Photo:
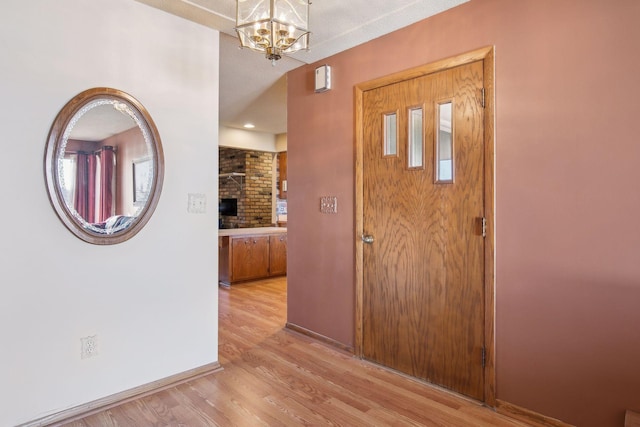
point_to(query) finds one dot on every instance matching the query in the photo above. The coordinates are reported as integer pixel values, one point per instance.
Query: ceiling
(251, 89)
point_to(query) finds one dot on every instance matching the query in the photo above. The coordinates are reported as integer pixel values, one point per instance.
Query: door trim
(485, 54)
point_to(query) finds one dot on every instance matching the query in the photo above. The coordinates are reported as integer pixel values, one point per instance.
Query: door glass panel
(390, 134)
(444, 144)
(415, 138)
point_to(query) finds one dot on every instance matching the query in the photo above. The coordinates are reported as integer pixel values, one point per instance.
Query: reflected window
(68, 178)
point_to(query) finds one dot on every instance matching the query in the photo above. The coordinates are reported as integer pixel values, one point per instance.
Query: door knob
(367, 239)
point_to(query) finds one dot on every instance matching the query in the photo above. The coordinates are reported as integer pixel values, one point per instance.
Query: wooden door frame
(486, 55)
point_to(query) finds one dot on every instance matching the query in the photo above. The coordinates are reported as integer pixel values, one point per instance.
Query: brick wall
(255, 199)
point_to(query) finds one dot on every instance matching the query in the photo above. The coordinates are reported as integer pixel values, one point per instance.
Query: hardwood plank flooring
(276, 377)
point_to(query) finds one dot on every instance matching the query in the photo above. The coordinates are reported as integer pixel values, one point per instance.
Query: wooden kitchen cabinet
(250, 257)
(246, 256)
(278, 255)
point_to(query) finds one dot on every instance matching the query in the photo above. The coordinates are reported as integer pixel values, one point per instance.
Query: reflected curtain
(86, 185)
(95, 172)
(107, 174)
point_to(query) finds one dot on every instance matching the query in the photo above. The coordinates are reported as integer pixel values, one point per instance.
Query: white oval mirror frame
(75, 124)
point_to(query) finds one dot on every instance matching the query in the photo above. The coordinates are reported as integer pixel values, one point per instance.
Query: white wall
(281, 142)
(247, 140)
(152, 301)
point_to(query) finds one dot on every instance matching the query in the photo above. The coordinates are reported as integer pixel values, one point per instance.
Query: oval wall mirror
(104, 166)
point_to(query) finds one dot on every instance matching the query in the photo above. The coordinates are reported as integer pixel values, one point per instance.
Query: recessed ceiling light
(249, 125)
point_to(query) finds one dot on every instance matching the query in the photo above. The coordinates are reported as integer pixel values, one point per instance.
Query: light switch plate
(197, 203)
(329, 204)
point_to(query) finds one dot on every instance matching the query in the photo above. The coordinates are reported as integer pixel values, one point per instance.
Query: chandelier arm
(294, 42)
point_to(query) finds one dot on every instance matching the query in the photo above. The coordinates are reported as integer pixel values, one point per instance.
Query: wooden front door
(423, 224)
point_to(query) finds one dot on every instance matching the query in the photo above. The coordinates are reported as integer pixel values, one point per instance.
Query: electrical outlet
(88, 347)
(197, 203)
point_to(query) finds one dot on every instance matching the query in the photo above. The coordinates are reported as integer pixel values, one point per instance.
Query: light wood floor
(275, 377)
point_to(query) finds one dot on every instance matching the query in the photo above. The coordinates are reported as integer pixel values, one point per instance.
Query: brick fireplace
(254, 191)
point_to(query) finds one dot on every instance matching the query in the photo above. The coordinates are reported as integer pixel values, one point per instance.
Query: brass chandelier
(273, 27)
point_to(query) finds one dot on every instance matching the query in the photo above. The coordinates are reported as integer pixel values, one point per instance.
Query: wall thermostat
(323, 78)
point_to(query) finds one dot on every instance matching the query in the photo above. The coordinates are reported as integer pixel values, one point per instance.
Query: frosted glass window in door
(444, 144)
(416, 140)
(390, 130)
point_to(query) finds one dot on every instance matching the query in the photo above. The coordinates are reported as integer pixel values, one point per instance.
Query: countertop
(250, 231)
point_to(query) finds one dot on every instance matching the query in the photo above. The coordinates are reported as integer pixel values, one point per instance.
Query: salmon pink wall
(567, 194)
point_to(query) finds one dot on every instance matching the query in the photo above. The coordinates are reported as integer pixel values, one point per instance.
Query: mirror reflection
(94, 181)
(103, 166)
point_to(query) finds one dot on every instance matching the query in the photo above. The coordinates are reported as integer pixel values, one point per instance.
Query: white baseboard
(87, 409)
